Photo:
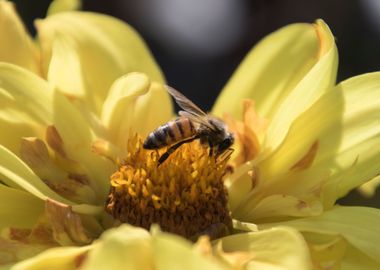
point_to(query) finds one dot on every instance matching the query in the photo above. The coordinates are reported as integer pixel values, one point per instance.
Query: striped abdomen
(172, 132)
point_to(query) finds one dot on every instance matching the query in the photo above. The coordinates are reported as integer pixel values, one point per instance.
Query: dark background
(199, 43)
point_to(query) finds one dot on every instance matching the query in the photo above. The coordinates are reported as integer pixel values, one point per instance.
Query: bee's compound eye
(229, 140)
(226, 143)
(232, 139)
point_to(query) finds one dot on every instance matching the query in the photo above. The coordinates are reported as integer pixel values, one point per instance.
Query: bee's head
(226, 143)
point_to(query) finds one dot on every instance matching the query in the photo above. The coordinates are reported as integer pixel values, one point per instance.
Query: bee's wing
(185, 103)
(202, 120)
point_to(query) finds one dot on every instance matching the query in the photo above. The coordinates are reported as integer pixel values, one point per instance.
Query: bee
(192, 124)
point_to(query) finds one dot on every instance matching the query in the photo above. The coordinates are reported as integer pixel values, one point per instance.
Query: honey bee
(192, 124)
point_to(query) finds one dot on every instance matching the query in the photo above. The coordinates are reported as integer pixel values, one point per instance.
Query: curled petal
(285, 73)
(16, 45)
(32, 108)
(134, 105)
(152, 110)
(100, 47)
(313, 126)
(15, 173)
(118, 108)
(65, 53)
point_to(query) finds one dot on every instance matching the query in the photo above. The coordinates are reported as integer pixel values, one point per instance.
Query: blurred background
(199, 43)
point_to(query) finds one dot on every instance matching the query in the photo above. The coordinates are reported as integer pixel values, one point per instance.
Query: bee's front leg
(211, 151)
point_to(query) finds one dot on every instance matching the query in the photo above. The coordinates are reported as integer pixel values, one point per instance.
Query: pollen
(185, 195)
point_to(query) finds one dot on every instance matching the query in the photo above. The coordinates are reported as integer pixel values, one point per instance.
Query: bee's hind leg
(173, 148)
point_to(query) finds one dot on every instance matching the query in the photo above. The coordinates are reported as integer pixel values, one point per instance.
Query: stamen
(184, 195)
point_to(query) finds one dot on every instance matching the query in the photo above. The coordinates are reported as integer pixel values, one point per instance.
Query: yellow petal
(106, 49)
(152, 110)
(296, 193)
(35, 154)
(134, 105)
(173, 252)
(16, 45)
(129, 247)
(277, 248)
(123, 248)
(118, 108)
(15, 173)
(63, 5)
(327, 251)
(66, 226)
(355, 259)
(14, 201)
(319, 125)
(345, 124)
(13, 251)
(31, 102)
(360, 226)
(335, 253)
(61, 258)
(240, 184)
(368, 189)
(64, 53)
(279, 205)
(284, 74)
(356, 158)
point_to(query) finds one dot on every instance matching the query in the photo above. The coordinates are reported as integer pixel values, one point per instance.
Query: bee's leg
(211, 151)
(173, 148)
(225, 155)
(210, 144)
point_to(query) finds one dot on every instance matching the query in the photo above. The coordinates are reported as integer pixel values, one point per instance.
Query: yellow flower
(71, 105)
(63, 130)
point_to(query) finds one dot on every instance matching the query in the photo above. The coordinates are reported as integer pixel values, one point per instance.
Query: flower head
(185, 195)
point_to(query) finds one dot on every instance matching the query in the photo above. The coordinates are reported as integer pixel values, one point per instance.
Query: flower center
(185, 195)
